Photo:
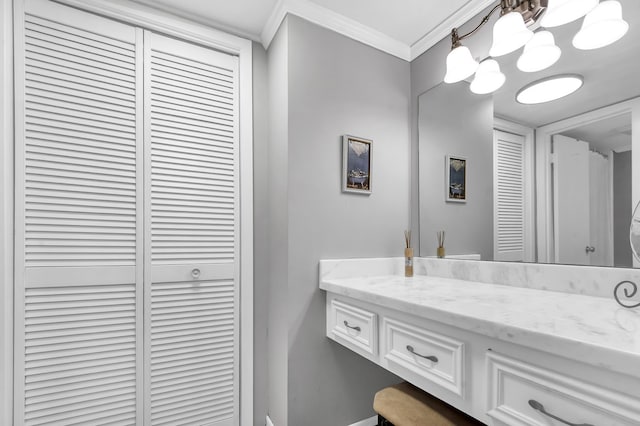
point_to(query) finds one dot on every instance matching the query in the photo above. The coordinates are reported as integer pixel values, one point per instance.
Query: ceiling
(407, 28)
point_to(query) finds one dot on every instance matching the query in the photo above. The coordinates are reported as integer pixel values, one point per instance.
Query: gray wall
(277, 226)
(622, 209)
(452, 120)
(261, 232)
(335, 86)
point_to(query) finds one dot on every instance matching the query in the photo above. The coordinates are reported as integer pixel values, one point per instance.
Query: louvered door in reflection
(191, 298)
(78, 251)
(509, 196)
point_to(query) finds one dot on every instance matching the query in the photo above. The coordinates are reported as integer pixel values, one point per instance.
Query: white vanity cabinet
(498, 382)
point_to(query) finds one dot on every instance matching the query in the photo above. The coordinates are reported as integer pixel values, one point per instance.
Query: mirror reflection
(551, 182)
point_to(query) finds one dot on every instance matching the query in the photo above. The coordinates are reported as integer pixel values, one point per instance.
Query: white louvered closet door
(78, 207)
(509, 196)
(191, 310)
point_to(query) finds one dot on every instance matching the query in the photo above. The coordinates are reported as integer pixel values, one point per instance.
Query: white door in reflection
(582, 204)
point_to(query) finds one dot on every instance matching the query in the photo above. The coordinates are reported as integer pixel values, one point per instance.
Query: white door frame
(529, 180)
(544, 134)
(165, 23)
(6, 212)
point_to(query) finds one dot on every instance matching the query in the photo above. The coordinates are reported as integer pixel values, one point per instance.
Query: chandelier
(602, 26)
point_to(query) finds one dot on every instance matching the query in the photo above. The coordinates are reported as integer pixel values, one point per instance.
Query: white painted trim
(371, 421)
(246, 234)
(334, 21)
(350, 28)
(6, 212)
(192, 17)
(165, 23)
(442, 30)
(529, 196)
(268, 421)
(544, 134)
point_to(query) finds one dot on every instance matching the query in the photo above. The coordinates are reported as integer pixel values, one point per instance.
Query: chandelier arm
(472, 32)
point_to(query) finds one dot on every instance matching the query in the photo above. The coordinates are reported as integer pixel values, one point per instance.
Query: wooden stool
(406, 405)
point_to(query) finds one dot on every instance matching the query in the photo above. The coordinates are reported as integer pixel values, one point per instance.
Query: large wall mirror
(547, 183)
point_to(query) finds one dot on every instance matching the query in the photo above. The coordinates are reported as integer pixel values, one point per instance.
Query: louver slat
(80, 367)
(509, 198)
(191, 310)
(63, 178)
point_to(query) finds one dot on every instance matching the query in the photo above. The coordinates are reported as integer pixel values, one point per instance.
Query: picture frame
(456, 169)
(356, 164)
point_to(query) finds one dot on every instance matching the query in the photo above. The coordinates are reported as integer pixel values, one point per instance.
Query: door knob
(195, 273)
(590, 249)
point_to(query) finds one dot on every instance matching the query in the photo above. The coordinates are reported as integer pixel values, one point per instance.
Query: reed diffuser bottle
(440, 249)
(408, 255)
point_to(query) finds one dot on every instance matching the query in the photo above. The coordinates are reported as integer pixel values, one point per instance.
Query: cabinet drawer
(421, 355)
(521, 393)
(354, 327)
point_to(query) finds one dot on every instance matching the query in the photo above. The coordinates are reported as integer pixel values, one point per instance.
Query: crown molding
(455, 20)
(198, 19)
(331, 20)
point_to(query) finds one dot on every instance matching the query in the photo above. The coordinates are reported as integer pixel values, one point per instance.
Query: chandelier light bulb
(540, 53)
(601, 27)
(509, 34)
(560, 12)
(460, 65)
(488, 78)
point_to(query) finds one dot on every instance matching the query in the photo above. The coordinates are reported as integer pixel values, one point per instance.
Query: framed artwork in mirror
(455, 178)
(356, 164)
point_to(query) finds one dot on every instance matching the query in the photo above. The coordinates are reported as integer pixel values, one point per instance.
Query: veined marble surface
(594, 329)
(585, 280)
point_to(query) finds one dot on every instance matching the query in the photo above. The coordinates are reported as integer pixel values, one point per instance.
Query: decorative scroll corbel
(624, 292)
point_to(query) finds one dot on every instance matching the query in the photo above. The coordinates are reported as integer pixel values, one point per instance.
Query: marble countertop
(595, 330)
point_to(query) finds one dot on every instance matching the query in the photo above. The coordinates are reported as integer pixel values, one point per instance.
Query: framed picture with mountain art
(356, 164)
(456, 178)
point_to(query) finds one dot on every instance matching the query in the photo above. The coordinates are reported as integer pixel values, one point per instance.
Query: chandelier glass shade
(460, 65)
(488, 78)
(601, 27)
(560, 12)
(540, 53)
(509, 34)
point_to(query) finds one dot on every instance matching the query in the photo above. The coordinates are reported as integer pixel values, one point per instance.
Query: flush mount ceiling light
(549, 89)
(602, 26)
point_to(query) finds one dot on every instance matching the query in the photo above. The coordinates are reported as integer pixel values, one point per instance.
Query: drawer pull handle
(195, 273)
(430, 357)
(539, 407)
(356, 328)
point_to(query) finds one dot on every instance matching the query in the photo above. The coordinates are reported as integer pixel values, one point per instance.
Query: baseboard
(269, 422)
(371, 421)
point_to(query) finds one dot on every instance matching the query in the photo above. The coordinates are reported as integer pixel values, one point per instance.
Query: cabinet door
(78, 252)
(191, 310)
